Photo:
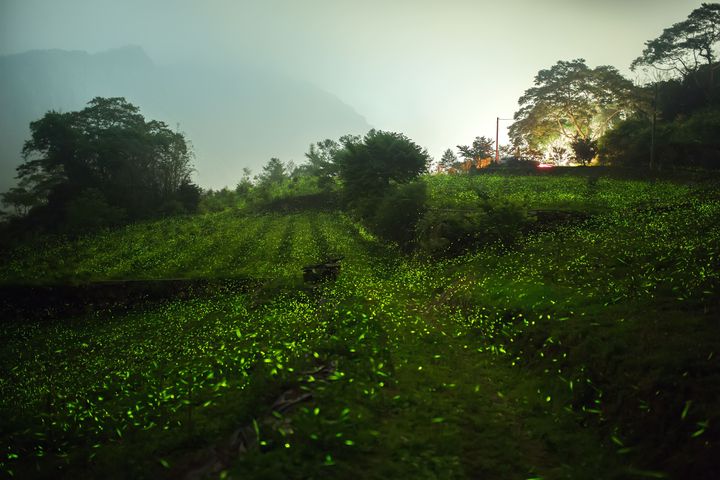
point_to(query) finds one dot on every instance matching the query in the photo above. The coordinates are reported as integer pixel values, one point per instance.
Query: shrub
(453, 231)
(90, 210)
(627, 145)
(399, 211)
(584, 149)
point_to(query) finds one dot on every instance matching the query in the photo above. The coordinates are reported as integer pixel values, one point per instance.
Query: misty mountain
(235, 117)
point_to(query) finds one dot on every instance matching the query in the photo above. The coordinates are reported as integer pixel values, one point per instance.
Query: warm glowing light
(545, 165)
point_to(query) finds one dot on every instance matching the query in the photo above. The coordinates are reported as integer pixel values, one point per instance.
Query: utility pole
(497, 145)
(497, 138)
(652, 130)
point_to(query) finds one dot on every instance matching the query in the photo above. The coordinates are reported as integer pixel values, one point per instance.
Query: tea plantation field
(216, 245)
(585, 350)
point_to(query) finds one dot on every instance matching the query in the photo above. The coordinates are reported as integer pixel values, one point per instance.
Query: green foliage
(273, 173)
(628, 144)
(482, 147)
(188, 196)
(219, 200)
(297, 188)
(563, 192)
(584, 149)
(226, 244)
(609, 322)
(399, 211)
(454, 231)
(688, 141)
(448, 160)
(367, 168)
(686, 47)
(570, 99)
(322, 160)
(245, 184)
(137, 165)
(90, 211)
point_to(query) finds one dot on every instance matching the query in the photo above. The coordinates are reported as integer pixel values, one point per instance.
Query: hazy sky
(438, 71)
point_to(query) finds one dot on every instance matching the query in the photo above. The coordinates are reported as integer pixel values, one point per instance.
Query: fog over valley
(248, 81)
(235, 117)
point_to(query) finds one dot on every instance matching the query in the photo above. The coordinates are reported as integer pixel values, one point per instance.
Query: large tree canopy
(569, 101)
(138, 166)
(687, 47)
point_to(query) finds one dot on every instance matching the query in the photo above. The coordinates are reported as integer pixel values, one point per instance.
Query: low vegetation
(582, 349)
(357, 316)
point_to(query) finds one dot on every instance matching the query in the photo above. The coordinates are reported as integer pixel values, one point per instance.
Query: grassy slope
(543, 361)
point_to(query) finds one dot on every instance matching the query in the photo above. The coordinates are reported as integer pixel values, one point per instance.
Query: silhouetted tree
(106, 152)
(584, 149)
(448, 160)
(21, 199)
(189, 194)
(245, 184)
(677, 121)
(368, 167)
(687, 46)
(477, 155)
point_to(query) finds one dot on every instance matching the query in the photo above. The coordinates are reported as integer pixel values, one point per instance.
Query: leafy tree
(482, 147)
(245, 184)
(571, 100)
(687, 46)
(107, 147)
(448, 160)
(188, 195)
(218, 200)
(321, 157)
(584, 149)
(273, 172)
(20, 199)
(322, 160)
(368, 167)
(627, 144)
(292, 171)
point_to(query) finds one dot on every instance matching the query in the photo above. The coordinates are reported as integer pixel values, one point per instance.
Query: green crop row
(554, 192)
(215, 245)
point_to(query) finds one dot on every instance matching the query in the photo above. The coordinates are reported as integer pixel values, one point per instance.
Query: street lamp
(497, 138)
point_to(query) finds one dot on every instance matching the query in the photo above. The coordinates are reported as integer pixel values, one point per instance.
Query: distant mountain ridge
(235, 117)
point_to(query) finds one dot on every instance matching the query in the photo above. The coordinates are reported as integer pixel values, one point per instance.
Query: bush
(370, 167)
(453, 231)
(399, 211)
(687, 141)
(90, 210)
(695, 140)
(626, 145)
(188, 196)
(584, 149)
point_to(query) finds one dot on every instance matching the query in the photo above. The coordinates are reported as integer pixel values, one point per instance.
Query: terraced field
(588, 350)
(592, 193)
(218, 245)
